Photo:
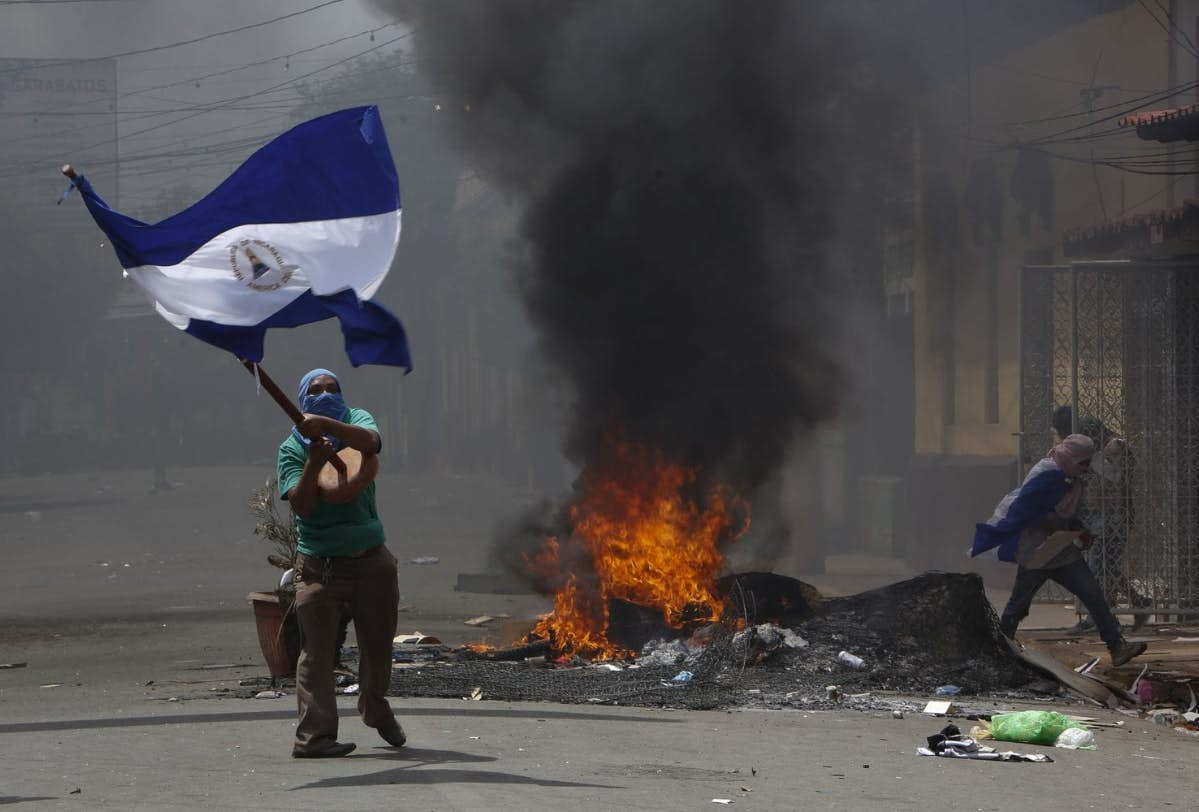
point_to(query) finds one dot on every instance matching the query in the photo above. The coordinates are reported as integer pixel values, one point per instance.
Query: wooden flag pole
(347, 474)
(273, 390)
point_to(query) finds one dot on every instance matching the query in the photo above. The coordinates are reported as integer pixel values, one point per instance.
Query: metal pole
(1020, 286)
(116, 141)
(1073, 348)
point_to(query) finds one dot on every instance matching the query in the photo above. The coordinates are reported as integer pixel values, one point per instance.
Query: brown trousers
(368, 585)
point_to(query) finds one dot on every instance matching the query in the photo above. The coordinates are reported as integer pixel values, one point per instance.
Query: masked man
(341, 561)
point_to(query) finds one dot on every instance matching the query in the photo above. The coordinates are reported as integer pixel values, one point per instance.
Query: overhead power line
(192, 80)
(136, 115)
(1117, 165)
(1171, 28)
(227, 71)
(1155, 95)
(193, 41)
(222, 104)
(1119, 114)
(1173, 24)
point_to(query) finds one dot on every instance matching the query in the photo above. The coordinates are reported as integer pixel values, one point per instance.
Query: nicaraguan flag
(1037, 496)
(304, 230)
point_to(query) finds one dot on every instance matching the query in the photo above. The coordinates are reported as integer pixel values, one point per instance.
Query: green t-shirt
(331, 530)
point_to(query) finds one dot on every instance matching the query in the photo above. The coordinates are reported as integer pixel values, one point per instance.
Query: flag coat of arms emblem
(306, 229)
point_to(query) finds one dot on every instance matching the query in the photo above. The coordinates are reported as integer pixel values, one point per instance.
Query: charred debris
(777, 643)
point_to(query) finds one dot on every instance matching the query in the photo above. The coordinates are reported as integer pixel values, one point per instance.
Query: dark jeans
(1076, 577)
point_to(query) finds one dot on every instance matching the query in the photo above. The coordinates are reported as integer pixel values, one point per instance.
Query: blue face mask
(325, 404)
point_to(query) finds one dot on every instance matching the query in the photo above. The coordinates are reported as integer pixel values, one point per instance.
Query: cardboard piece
(1050, 547)
(1081, 684)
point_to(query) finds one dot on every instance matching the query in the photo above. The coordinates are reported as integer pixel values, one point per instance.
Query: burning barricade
(645, 613)
(910, 636)
(633, 565)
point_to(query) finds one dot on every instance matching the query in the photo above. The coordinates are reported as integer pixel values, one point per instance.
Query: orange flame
(640, 534)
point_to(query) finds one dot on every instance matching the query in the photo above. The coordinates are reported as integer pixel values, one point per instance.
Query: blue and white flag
(1044, 487)
(304, 230)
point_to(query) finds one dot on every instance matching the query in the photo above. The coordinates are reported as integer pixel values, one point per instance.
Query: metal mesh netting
(1118, 343)
(915, 635)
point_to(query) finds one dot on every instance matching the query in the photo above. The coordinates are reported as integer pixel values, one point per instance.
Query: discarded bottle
(851, 660)
(947, 690)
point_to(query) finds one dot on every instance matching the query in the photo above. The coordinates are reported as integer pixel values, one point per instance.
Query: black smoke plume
(682, 166)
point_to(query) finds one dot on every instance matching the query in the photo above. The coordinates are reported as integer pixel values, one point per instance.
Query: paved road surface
(124, 701)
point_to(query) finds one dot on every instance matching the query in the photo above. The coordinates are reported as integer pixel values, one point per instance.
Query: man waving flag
(304, 230)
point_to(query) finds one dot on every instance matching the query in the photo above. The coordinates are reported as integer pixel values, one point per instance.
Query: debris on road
(485, 584)
(481, 620)
(757, 643)
(416, 639)
(1026, 727)
(942, 708)
(12, 665)
(424, 560)
(851, 660)
(950, 743)
(1075, 738)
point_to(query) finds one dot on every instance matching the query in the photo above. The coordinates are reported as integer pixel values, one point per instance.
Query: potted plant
(278, 631)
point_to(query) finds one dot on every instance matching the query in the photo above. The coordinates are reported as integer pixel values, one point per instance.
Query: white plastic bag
(1075, 738)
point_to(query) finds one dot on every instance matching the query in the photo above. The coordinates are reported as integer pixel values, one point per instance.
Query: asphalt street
(126, 699)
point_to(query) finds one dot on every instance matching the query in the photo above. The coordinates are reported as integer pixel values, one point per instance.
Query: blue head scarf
(326, 404)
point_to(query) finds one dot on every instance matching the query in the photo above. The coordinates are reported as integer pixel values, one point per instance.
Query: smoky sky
(680, 165)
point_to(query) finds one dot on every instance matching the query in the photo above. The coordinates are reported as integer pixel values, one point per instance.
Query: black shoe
(1124, 651)
(1083, 626)
(393, 734)
(335, 750)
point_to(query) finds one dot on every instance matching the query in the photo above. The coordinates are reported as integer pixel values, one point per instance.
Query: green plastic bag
(1030, 727)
